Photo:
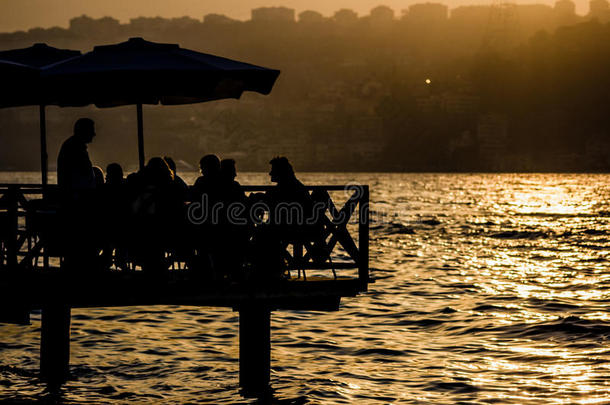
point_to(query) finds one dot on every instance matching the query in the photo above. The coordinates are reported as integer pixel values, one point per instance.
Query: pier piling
(254, 348)
(55, 343)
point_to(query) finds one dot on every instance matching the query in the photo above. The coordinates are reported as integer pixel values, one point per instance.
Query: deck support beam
(55, 343)
(254, 348)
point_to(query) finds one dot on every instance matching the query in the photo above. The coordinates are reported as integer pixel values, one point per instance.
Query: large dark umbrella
(141, 72)
(38, 55)
(28, 90)
(19, 84)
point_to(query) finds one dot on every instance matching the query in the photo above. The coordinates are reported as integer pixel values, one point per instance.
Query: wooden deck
(116, 289)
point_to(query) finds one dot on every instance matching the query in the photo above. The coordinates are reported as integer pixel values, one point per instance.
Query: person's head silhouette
(158, 171)
(281, 169)
(227, 169)
(114, 173)
(170, 162)
(209, 165)
(84, 128)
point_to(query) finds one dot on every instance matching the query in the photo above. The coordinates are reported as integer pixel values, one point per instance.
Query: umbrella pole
(140, 136)
(44, 157)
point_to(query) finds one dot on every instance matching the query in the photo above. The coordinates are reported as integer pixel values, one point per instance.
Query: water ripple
(490, 288)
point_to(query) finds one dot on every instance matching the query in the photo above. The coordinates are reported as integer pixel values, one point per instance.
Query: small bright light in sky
(428, 81)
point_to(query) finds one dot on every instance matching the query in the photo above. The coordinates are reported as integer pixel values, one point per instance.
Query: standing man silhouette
(77, 214)
(74, 168)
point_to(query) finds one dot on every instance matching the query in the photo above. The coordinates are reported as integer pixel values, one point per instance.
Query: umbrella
(38, 55)
(19, 84)
(27, 90)
(142, 72)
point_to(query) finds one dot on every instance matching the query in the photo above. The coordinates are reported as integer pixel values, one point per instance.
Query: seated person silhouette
(156, 212)
(181, 249)
(232, 230)
(207, 183)
(205, 193)
(114, 175)
(114, 214)
(180, 185)
(230, 191)
(288, 190)
(290, 207)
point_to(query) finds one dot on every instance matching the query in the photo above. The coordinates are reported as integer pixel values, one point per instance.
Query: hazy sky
(25, 14)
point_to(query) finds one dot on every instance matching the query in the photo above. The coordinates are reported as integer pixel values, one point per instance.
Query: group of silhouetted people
(153, 219)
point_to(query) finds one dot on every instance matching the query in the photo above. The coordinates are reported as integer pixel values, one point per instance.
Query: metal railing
(24, 238)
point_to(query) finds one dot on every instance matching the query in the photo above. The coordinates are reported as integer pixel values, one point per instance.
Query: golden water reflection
(490, 289)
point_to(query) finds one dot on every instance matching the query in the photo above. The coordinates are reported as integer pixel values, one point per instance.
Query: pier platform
(32, 278)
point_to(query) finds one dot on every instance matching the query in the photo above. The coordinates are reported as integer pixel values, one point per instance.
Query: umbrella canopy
(38, 55)
(19, 84)
(23, 86)
(142, 72)
(16, 71)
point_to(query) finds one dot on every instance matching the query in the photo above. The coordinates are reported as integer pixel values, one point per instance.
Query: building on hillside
(382, 15)
(460, 103)
(310, 17)
(454, 103)
(148, 24)
(345, 17)
(532, 18)
(218, 19)
(89, 27)
(467, 26)
(273, 14)
(427, 14)
(492, 136)
(367, 144)
(467, 15)
(599, 9)
(429, 104)
(183, 22)
(564, 13)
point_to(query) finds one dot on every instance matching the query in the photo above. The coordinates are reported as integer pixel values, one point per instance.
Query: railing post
(363, 238)
(44, 157)
(13, 227)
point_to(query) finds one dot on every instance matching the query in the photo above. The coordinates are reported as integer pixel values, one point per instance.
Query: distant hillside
(518, 88)
(26, 14)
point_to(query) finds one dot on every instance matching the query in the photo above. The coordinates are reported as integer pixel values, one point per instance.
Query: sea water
(490, 288)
